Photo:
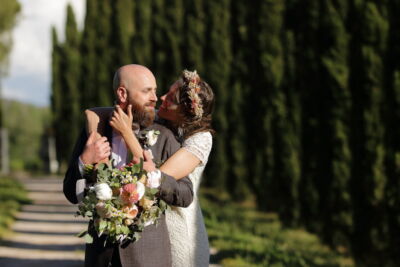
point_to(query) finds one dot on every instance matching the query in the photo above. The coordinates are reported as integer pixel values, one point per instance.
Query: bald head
(129, 76)
(136, 85)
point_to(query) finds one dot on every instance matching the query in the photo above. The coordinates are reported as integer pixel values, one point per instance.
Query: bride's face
(169, 108)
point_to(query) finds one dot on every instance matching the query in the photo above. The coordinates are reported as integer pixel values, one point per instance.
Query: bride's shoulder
(200, 139)
(200, 136)
(200, 145)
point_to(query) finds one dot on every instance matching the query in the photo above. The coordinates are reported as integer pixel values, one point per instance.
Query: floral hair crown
(192, 79)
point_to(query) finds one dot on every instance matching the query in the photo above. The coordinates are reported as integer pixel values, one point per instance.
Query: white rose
(140, 189)
(103, 191)
(154, 179)
(151, 137)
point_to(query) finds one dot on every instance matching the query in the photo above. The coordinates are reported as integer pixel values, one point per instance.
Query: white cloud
(30, 58)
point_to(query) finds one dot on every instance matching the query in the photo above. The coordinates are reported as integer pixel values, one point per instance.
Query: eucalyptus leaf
(82, 234)
(88, 238)
(102, 225)
(88, 213)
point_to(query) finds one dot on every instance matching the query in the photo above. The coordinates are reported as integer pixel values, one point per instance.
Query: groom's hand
(96, 149)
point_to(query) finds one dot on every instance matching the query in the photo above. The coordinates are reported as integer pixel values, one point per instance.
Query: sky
(29, 74)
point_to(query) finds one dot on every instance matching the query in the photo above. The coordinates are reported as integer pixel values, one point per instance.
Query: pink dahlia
(132, 193)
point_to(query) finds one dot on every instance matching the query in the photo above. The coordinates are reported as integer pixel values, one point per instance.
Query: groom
(133, 85)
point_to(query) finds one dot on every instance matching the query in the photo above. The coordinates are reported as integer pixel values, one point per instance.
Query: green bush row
(12, 196)
(246, 237)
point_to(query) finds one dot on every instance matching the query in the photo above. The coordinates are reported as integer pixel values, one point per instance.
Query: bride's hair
(196, 102)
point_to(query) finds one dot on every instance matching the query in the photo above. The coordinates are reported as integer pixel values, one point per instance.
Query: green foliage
(8, 14)
(104, 53)
(90, 61)
(368, 152)
(336, 203)
(241, 47)
(56, 93)
(305, 29)
(218, 59)
(123, 29)
(194, 35)
(391, 115)
(158, 35)
(245, 237)
(12, 195)
(69, 90)
(306, 112)
(141, 42)
(173, 42)
(26, 126)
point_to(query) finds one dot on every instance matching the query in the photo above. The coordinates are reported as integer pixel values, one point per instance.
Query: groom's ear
(122, 95)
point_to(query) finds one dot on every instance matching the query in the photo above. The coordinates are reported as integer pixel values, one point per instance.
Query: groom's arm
(90, 150)
(73, 174)
(174, 192)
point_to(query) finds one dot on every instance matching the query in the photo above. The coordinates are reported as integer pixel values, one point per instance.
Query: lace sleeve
(199, 145)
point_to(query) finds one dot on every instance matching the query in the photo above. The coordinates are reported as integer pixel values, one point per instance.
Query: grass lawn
(246, 237)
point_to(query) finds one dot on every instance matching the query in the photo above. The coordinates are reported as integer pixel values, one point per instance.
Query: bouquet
(121, 203)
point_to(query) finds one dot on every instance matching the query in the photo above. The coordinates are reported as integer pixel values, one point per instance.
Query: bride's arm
(122, 122)
(194, 152)
(180, 164)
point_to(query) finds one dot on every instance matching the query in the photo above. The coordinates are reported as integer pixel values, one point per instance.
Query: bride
(187, 110)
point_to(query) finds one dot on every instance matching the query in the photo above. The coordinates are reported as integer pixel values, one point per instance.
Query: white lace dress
(187, 232)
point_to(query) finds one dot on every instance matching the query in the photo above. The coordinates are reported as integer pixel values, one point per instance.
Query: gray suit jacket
(153, 248)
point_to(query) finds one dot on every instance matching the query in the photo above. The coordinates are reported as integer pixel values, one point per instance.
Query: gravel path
(43, 234)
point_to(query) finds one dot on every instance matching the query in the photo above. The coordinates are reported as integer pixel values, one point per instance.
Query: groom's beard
(144, 117)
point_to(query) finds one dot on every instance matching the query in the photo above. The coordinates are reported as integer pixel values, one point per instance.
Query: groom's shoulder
(164, 131)
(166, 137)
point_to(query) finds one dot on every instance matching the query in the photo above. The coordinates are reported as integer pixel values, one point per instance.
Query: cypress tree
(392, 117)
(194, 35)
(8, 14)
(287, 132)
(217, 73)
(158, 34)
(307, 80)
(70, 108)
(90, 62)
(173, 42)
(141, 44)
(122, 25)
(335, 205)
(368, 177)
(237, 172)
(56, 93)
(104, 53)
(269, 102)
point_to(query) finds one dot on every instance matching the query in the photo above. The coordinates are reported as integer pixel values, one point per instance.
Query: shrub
(246, 237)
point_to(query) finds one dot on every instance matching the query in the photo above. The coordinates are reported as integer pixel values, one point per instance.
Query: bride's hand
(148, 163)
(121, 121)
